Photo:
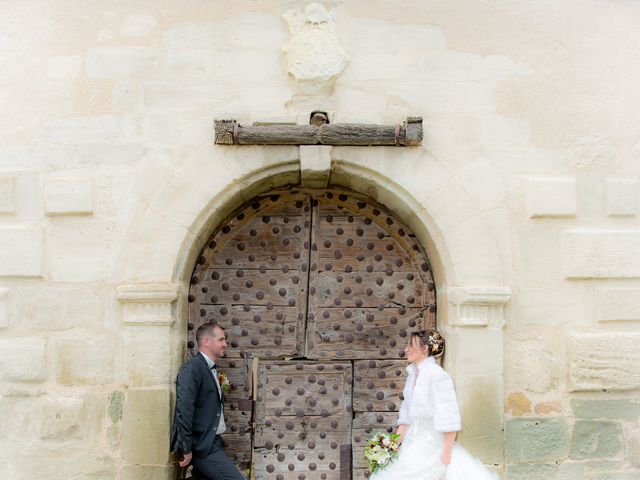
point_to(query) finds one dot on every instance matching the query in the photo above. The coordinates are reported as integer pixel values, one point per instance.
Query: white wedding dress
(430, 408)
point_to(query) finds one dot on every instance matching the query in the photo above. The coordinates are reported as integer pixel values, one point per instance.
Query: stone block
(252, 31)
(62, 419)
(536, 439)
(112, 153)
(192, 35)
(518, 404)
(7, 194)
(555, 306)
(476, 253)
(532, 365)
(315, 165)
(21, 252)
(503, 132)
(601, 253)
(357, 35)
(69, 195)
(532, 471)
(5, 473)
(604, 361)
(481, 407)
(365, 67)
(163, 128)
(4, 308)
(83, 361)
(621, 197)
(478, 351)
(56, 308)
(617, 304)
(632, 445)
(121, 62)
(138, 25)
(595, 439)
(139, 472)
(172, 96)
(145, 360)
(71, 461)
(145, 426)
(422, 37)
(482, 181)
(607, 409)
(189, 63)
(444, 97)
(126, 96)
(23, 359)
(545, 408)
(551, 197)
(83, 130)
(114, 409)
(498, 67)
(455, 66)
(619, 476)
(253, 68)
(64, 67)
(87, 262)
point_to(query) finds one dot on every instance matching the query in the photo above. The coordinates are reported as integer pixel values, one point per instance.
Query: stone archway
(318, 291)
(204, 189)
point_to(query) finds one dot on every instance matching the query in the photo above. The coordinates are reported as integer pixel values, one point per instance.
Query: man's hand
(186, 460)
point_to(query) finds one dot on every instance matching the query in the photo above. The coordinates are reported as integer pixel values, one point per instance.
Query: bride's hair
(431, 339)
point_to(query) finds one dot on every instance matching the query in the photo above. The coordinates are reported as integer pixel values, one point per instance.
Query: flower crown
(436, 343)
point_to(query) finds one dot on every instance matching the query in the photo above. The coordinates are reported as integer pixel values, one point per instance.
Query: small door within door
(303, 420)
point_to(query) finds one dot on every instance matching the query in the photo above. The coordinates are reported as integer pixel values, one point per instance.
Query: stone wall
(524, 193)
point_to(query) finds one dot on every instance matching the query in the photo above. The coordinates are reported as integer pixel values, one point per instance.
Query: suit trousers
(216, 465)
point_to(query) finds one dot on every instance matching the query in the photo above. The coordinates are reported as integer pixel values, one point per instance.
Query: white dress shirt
(429, 394)
(221, 426)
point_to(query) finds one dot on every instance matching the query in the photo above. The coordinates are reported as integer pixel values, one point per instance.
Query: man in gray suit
(198, 421)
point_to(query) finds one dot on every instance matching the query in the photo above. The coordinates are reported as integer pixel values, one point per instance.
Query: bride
(429, 420)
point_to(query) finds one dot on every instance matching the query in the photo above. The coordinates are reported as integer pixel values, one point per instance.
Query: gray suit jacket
(198, 409)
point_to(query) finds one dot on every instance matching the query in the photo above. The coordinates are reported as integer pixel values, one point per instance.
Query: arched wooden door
(318, 291)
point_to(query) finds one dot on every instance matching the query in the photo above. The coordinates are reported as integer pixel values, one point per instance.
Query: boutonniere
(223, 380)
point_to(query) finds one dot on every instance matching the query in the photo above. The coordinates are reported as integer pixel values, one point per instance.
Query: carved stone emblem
(314, 55)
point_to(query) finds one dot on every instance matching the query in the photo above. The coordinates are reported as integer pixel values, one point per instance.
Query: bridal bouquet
(381, 450)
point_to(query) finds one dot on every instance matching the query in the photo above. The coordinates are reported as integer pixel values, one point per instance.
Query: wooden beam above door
(321, 132)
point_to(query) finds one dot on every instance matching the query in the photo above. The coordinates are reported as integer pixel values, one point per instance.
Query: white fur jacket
(433, 397)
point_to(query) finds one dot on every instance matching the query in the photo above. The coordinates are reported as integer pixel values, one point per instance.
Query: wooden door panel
(251, 287)
(370, 284)
(311, 445)
(364, 426)
(367, 289)
(251, 278)
(378, 385)
(260, 331)
(362, 332)
(237, 409)
(273, 242)
(303, 419)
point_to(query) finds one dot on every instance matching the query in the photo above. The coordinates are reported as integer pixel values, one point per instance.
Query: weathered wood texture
(409, 133)
(363, 427)
(303, 417)
(303, 282)
(370, 283)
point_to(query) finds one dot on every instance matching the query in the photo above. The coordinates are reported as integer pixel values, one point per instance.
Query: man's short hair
(206, 330)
